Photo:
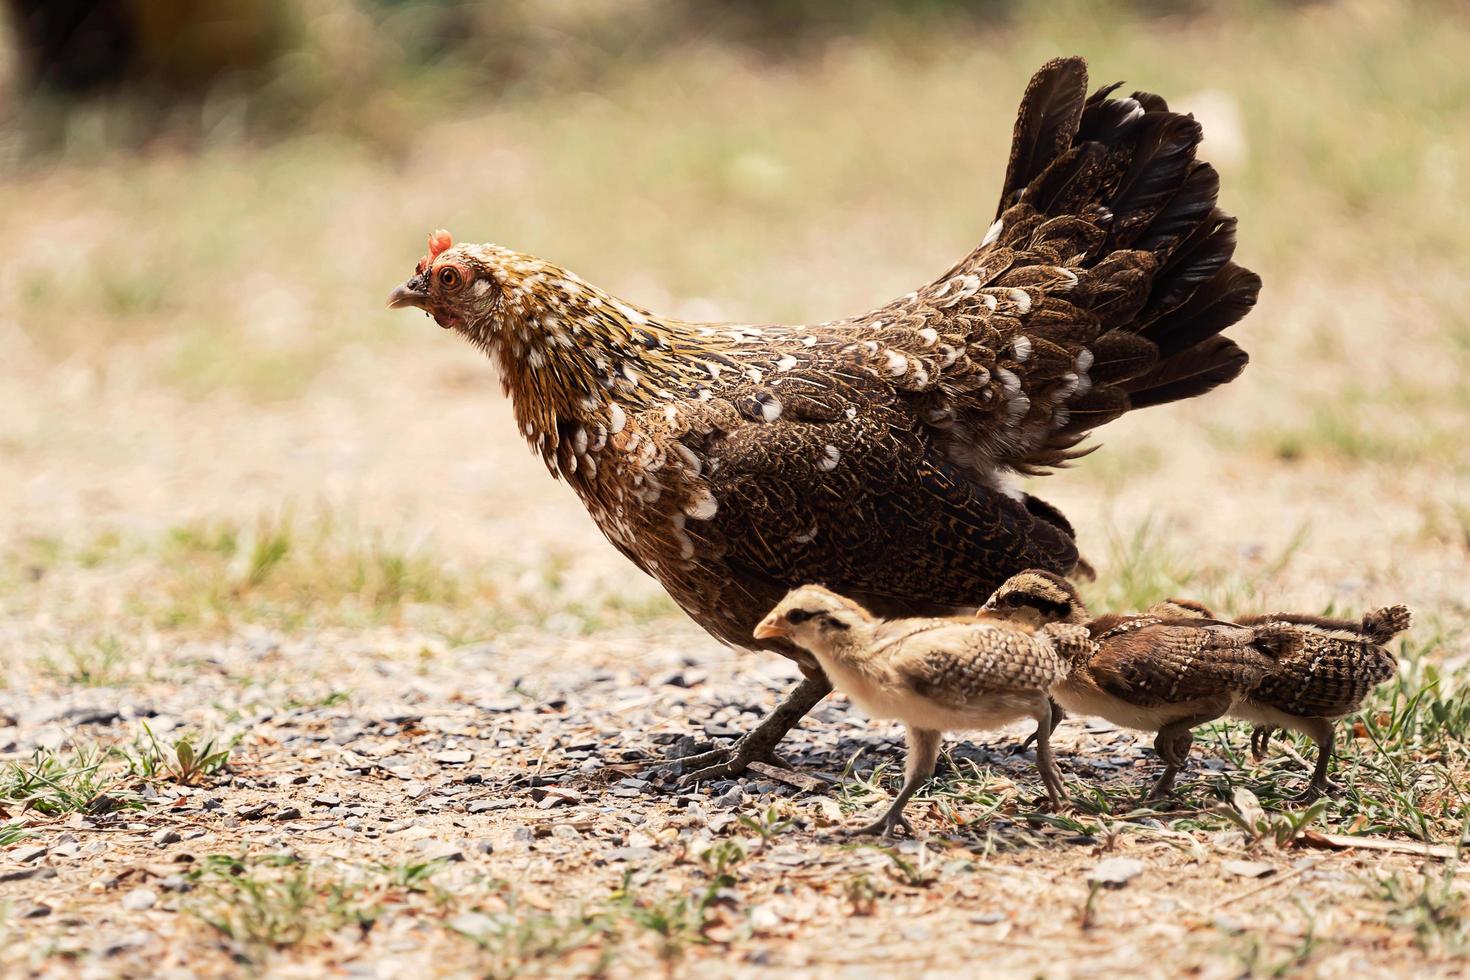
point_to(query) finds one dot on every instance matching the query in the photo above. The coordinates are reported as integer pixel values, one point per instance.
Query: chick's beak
(770, 628)
(405, 296)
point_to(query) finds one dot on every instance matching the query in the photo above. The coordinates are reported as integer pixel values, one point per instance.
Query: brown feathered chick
(1161, 674)
(1179, 609)
(934, 675)
(877, 453)
(1325, 669)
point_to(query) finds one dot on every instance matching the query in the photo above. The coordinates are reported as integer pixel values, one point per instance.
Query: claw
(883, 827)
(1315, 791)
(727, 763)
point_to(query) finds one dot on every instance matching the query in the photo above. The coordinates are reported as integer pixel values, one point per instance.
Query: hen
(876, 455)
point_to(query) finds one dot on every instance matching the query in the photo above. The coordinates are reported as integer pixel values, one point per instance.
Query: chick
(1166, 673)
(934, 675)
(1325, 669)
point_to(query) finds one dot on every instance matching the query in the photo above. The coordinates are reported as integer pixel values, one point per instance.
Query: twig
(1260, 888)
(790, 777)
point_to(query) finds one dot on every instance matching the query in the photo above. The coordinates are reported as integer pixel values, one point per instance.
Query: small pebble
(140, 899)
(1115, 872)
(730, 799)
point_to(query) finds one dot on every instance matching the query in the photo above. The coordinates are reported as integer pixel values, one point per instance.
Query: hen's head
(480, 290)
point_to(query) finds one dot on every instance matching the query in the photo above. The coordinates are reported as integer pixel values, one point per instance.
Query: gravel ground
(516, 782)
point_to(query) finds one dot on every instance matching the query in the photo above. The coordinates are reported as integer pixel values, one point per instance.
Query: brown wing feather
(1166, 664)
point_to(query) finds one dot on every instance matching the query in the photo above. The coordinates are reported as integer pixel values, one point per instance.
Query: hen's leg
(918, 767)
(759, 744)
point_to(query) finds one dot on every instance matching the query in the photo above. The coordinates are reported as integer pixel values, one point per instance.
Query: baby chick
(1325, 669)
(1166, 672)
(934, 675)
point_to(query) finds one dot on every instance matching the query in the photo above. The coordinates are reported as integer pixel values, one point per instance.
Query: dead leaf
(1248, 806)
(1248, 869)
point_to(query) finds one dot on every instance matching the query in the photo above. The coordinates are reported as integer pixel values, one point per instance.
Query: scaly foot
(729, 762)
(884, 826)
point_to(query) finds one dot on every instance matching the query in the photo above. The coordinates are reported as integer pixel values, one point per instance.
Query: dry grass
(229, 479)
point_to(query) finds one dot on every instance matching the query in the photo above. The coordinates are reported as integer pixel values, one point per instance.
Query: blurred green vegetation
(365, 66)
(711, 134)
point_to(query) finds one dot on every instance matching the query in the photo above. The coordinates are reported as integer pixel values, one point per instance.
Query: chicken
(1154, 673)
(1325, 670)
(876, 455)
(933, 674)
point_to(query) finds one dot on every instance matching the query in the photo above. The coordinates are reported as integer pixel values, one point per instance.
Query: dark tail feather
(1219, 303)
(1195, 371)
(1155, 270)
(1048, 117)
(1192, 262)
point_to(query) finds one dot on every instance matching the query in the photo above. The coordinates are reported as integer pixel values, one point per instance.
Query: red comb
(438, 242)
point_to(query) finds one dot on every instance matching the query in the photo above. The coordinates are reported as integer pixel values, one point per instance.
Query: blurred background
(209, 424)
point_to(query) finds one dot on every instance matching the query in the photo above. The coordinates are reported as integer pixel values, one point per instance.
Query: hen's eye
(449, 277)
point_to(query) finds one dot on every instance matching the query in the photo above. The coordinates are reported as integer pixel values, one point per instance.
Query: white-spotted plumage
(937, 403)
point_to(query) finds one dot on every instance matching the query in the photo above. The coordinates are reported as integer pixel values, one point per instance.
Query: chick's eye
(449, 277)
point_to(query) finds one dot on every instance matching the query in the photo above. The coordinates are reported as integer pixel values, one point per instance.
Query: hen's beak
(405, 296)
(770, 628)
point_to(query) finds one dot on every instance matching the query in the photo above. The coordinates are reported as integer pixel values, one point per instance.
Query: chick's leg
(1058, 715)
(759, 744)
(1051, 776)
(918, 767)
(1320, 731)
(1173, 743)
(1261, 740)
